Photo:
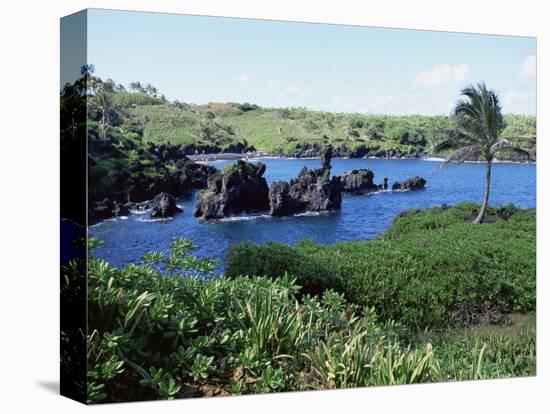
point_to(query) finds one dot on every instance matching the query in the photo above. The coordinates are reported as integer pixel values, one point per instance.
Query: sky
(333, 68)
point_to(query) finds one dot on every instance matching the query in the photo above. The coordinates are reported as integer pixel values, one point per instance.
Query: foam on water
(433, 159)
(152, 220)
(139, 212)
(243, 218)
(361, 217)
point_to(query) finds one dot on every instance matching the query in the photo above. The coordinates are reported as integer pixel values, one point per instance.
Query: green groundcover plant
(431, 269)
(167, 328)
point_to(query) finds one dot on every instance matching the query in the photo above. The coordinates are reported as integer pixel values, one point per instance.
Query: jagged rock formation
(361, 180)
(237, 188)
(151, 169)
(186, 176)
(413, 183)
(313, 190)
(164, 205)
(105, 209)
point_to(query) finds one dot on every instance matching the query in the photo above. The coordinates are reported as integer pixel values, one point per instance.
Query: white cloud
(243, 77)
(440, 75)
(516, 102)
(293, 89)
(528, 68)
(337, 99)
(272, 83)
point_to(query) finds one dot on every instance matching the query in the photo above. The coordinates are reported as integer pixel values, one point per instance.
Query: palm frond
(461, 155)
(443, 144)
(500, 144)
(478, 114)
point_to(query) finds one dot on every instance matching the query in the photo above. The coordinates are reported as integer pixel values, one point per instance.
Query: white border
(30, 204)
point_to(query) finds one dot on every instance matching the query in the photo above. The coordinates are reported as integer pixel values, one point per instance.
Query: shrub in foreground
(274, 260)
(432, 269)
(166, 329)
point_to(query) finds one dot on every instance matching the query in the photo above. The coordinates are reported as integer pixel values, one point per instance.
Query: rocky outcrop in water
(164, 205)
(184, 177)
(239, 187)
(151, 169)
(413, 183)
(313, 191)
(193, 175)
(360, 180)
(105, 209)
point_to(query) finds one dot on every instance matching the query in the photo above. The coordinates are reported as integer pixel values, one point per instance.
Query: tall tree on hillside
(104, 103)
(136, 87)
(73, 108)
(151, 90)
(478, 116)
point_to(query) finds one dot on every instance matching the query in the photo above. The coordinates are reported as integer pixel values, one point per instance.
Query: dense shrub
(165, 329)
(483, 356)
(432, 269)
(274, 260)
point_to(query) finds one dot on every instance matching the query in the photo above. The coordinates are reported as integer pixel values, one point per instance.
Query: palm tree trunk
(483, 209)
(103, 124)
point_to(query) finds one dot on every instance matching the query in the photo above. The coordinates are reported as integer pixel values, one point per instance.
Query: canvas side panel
(73, 115)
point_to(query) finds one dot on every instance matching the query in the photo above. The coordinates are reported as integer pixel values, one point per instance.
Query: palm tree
(104, 102)
(478, 115)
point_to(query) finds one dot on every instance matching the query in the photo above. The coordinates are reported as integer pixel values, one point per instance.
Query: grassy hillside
(279, 130)
(275, 130)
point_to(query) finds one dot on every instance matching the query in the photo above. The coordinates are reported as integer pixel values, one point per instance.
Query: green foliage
(274, 260)
(162, 331)
(272, 129)
(432, 269)
(160, 381)
(302, 317)
(520, 126)
(355, 358)
(126, 99)
(202, 367)
(165, 327)
(476, 356)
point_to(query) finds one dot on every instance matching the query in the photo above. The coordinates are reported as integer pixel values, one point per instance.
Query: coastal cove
(125, 239)
(282, 229)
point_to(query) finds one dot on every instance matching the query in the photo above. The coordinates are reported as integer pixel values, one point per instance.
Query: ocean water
(361, 217)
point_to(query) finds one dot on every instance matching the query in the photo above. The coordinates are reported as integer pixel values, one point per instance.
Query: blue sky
(323, 67)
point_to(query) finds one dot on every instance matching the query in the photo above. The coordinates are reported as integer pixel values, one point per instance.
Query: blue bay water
(361, 217)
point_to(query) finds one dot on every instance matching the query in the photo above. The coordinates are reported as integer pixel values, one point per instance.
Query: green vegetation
(479, 119)
(271, 259)
(126, 129)
(139, 114)
(433, 299)
(166, 329)
(431, 269)
(280, 130)
(153, 334)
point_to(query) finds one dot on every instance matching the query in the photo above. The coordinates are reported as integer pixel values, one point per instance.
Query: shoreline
(229, 156)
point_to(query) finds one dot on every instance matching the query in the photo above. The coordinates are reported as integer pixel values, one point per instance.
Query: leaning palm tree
(478, 115)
